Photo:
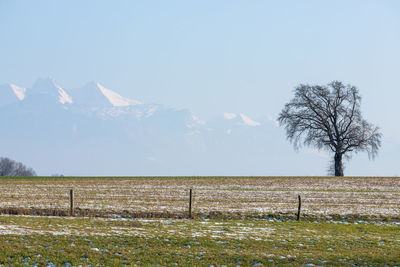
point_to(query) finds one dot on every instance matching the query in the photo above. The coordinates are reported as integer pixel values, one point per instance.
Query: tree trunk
(338, 165)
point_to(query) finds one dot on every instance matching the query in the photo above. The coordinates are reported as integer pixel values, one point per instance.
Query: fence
(210, 197)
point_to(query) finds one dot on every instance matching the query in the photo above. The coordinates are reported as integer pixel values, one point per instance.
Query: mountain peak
(11, 93)
(248, 121)
(49, 86)
(115, 99)
(243, 119)
(18, 91)
(93, 94)
(229, 116)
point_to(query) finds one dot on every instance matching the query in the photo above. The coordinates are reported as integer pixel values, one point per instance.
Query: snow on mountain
(97, 132)
(11, 93)
(229, 116)
(115, 99)
(94, 94)
(64, 97)
(18, 91)
(193, 121)
(90, 95)
(249, 121)
(241, 119)
(50, 89)
(198, 120)
(151, 111)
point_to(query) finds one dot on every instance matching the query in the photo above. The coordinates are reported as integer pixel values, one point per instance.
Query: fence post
(190, 203)
(71, 202)
(299, 208)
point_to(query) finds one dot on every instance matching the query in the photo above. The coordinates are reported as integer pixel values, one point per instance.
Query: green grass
(84, 241)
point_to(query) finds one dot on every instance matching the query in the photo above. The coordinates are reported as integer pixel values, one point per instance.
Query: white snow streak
(199, 121)
(18, 91)
(63, 96)
(229, 116)
(115, 99)
(249, 121)
(151, 111)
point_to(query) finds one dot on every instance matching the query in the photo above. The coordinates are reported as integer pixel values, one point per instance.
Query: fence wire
(170, 196)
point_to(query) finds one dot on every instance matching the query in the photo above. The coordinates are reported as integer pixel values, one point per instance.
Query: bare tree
(6, 166)
(329, 117)
(330, 169)
(10, 167)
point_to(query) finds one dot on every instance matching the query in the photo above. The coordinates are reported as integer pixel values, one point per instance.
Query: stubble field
(238, 221)
(169, 196)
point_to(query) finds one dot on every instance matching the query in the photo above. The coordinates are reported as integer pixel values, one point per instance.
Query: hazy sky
(209, 56)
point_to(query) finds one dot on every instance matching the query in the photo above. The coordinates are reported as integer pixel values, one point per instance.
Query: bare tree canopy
(329, 117)
(10, 167)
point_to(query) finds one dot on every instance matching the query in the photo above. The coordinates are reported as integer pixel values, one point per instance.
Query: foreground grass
(83, 241)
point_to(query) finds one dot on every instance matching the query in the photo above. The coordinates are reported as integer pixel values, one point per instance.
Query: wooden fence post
(71, 202)
(299, 208)
(190, 203)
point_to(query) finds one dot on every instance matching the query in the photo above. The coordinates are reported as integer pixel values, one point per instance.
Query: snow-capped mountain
(11, 93)
(93, 130)
(88, 111)
(49, 89)
(94, 94)
(241, 119)
(106, 132)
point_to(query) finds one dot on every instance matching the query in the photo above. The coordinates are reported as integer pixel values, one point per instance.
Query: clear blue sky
(209, 56)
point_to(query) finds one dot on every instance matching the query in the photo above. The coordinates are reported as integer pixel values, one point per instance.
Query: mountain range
(93, 130)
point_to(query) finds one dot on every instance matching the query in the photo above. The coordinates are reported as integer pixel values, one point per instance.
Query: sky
(209, 56)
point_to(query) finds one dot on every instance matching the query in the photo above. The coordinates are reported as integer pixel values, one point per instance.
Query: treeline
(10, 167)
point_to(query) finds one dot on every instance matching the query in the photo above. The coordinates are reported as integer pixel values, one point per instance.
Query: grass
(246, 221)
(84, 241)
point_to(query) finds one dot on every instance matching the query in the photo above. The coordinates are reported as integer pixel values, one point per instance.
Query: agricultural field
(237, 221)
(169, 196)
